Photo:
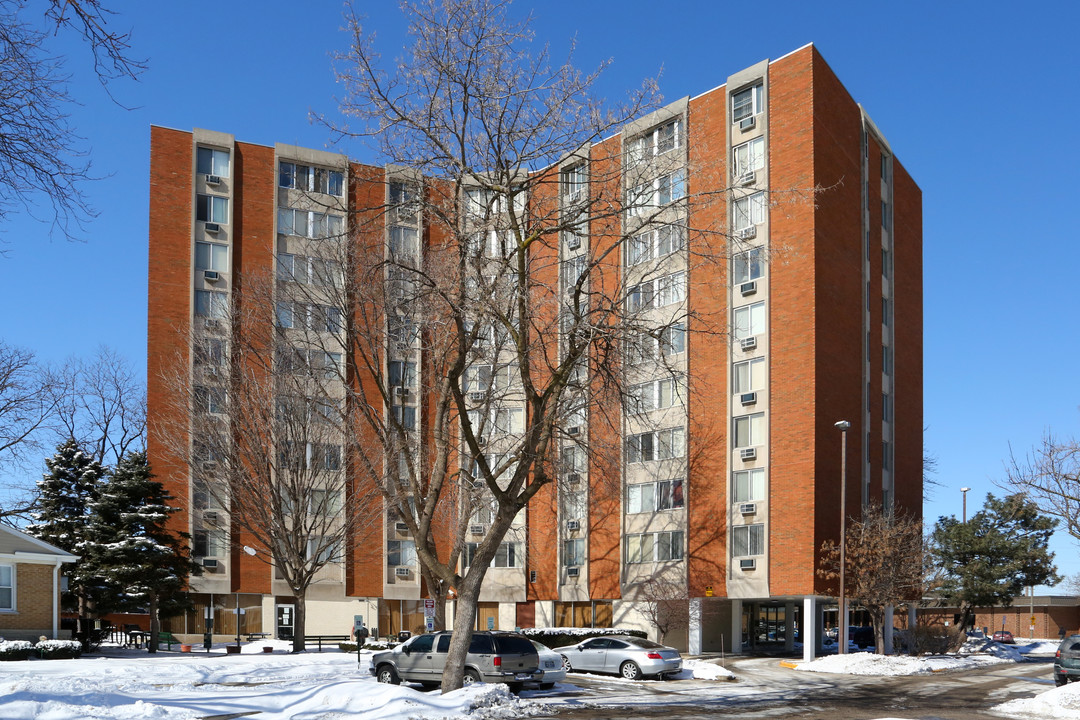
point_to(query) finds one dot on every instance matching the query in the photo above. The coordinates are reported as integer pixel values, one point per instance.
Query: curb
(789, 664)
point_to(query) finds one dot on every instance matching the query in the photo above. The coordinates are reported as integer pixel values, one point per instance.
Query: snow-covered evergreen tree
(142, 563)
(63, 518)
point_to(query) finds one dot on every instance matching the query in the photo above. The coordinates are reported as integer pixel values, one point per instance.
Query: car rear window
(647, 644)
(512, 644)
(480, 645)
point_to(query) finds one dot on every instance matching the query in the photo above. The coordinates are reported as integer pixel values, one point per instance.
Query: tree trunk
(464, 620)
(82, 632)
(877, 618)
(155, 624)
(299, 622)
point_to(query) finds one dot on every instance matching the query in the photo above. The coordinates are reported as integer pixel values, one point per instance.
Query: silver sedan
(631, 657)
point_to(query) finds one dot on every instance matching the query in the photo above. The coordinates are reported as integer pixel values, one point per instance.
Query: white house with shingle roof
(29, 586)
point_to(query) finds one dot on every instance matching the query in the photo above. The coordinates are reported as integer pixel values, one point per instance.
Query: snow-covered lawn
(1060, 703)
(173, 686)
(974, 653)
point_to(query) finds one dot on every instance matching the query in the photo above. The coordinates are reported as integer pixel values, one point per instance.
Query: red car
(1004, 636)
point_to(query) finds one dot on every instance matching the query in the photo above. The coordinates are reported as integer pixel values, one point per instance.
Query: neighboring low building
(1042, 616)
(29, 586)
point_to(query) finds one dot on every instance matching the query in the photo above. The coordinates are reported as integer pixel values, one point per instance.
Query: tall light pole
(965, 492)
(842, 634)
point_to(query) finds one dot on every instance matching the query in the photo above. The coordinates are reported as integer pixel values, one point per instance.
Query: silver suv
(494, 657)
(1067, 661)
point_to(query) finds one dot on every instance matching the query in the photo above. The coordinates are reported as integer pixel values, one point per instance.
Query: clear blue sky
(979, 100)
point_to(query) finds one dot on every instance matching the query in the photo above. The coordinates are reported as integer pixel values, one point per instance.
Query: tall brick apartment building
(741, 485)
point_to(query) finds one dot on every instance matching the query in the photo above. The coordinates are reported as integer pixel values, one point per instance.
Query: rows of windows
(309, 270)
(308, 456)
(657, 394)
(662, 291)
(657, 445)
(654, 547)
(291, 359)
(644, 347)
(657, 141)
(311, 179)
(507, 555)
(320, 318)
(654, 496)
(646, 198)
(309, 224)
(657, 243)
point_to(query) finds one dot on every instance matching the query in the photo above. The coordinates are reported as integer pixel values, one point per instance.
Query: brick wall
(33, 604)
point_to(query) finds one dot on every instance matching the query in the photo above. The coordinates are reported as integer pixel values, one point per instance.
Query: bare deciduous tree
(40, 153)
(884, 563)
(1050, 477)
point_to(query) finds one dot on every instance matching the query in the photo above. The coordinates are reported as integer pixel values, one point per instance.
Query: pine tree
(63, 518)
(143, 564)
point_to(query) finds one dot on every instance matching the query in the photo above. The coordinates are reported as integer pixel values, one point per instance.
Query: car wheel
(1060, 680)
(566, 664)
(387, 674)
(471, 676)
(630, 670)
(546, 686)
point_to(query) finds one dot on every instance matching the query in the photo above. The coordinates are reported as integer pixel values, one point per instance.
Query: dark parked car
(494, 657)
(1004, 636)
(1067, 661)
(861, 635)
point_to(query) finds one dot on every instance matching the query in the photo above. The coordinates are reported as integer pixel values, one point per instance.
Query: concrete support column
(789, 626)
(887, 630)
(694, 629)
(811, 628)
(736, 626)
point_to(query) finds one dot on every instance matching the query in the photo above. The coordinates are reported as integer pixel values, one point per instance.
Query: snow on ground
(872, 664)
(1061, 703)
(703, 670)
(274, 686)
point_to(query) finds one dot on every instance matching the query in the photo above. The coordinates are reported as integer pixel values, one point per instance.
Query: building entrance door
(285, 622)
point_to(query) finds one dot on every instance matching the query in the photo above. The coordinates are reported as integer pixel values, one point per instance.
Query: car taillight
(497, 661)
(655, 656)
(1057, 654)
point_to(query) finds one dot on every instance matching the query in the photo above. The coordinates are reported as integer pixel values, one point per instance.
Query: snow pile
(703, 670)
(873, 664)
(1061, 703)
(1039, 647)
(1010, 653)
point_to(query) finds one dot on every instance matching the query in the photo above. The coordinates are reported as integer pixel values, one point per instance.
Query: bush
(376, 646)
(558, 637)
(15, 649)
(59, 649)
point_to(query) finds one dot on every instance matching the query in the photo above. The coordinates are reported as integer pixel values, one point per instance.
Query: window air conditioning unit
(210, 516)
(211, 275)
(573, 525)
(213, 179)
(476, 396)
(747, 178)
(749, 343)
(476, 529)
(748, 123)
(573, 242)
(748, 288)
(532, 576)
(212, 227)
(209, 563)
(401, 572)
(478, 484)
(401, 527)
(748, 508)
(573, 479)
(748, 453)
(747, 564)
(575, 430)
(748, 398)
(401, 391)
(747, 233)
(573, 572)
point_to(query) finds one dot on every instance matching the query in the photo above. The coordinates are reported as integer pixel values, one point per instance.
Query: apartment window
(673, 339)
(325, 502)
(644, 199)
(669, 545)
(575, 183)
(886, 407)
(748, 430)
(507, 555)
(639, 548)
(671, 443)
(325, 456)
(477, 378)
(885, 168)
(209, 543)
(293, 222)
(329, 182)
(7, 587)
(886, 359)
(658, 243)
(572, 270)
(750, 210)
(748, 157)
(310, 179)
(210, 400)
(504, 375)
(402, 374)
(885, 262)
(657, 141)
(573, 459)
(209, 161)
(639, 297)
(574, 507)
(405, 416)
(400, 552)
(885, 311)
(653, 496)
(884, 215)
(747, 266)
(654, 547)
(749, 485)
(211, 208)
(658, 394)
(749, 320)
(748, 376)
(671, 289)
(211, 256)
(746, 103)
(211, 304)
(640, 448)
(671, 187)
(574, 552)
(659, 445)
(748, 540)
(403, 241)
(324, 549)
(510, 420)
(210, 352)
(285, 314)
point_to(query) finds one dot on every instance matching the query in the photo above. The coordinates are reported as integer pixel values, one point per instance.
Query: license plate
(523, 676)
(549, 663)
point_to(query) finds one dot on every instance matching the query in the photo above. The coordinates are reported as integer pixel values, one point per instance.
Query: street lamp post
(842, 634)
(965, 492)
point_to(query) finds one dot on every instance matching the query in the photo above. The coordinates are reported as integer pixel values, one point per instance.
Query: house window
(574, 552)
(749, 320)
(748, 376)
(405, 415)
(750, 210)
(748, 540)
(211, 256)
(211, 304)
(746, 103)
(209, 161)
(749, 485)
(575, 183)
(748, 430)
(400, 552)
(7, 587)
(746, 266)
(748, 157)
(211, 208)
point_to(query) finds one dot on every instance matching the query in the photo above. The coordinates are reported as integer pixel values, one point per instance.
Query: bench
(320, 639)
(167, 637)
(251, 637)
